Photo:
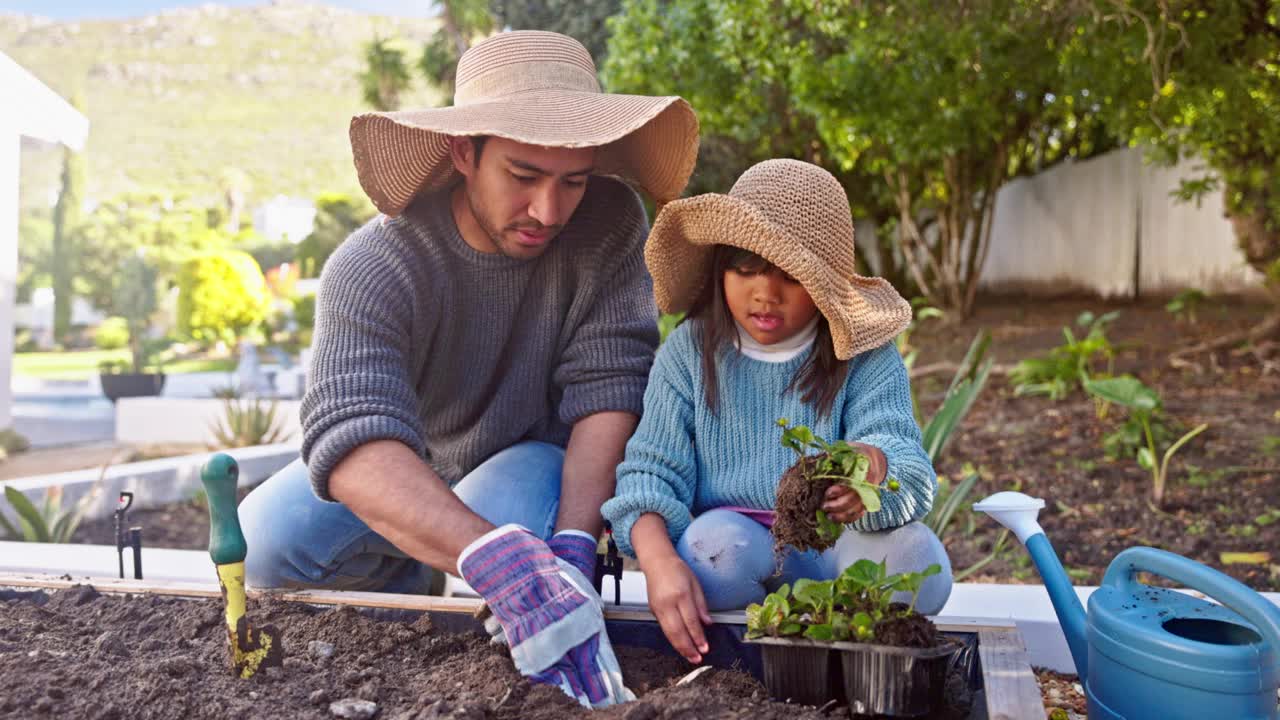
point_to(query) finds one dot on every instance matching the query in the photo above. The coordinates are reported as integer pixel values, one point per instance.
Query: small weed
(1270, 516)
(1243, 531)
(1184, 305)
(1197, 528)
(1060, 372)
(1270, 445)
(1079, 573)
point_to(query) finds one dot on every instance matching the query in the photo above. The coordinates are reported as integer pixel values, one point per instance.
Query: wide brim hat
(795, 215)
(537, 88)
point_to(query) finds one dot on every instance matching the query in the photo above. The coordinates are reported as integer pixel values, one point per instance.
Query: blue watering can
(1147, 652)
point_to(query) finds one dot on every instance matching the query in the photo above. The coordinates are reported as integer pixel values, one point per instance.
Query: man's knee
(271, 524)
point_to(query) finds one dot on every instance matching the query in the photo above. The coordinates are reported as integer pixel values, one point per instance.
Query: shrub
(247, 422)
(221, 296)
(112, 334)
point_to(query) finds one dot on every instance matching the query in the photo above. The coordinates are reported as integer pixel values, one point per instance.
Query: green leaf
(822, 632)
(1125, 390)
(37, 531)
(870, 495)
(791, 628)
(1146, 460)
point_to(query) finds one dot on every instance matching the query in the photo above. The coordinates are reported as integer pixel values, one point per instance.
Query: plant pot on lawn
(122, 385)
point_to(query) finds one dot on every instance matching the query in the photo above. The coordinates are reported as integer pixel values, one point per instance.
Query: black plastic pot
(798, 670)
(897, 681)
(870, 679)
(122, 385)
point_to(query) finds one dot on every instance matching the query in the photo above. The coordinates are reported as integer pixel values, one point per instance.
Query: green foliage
(921, 310)
(35, 251)
(386, 73)
(49, 523)
(667, 323)
(1185, 304)
(211, 86)
(844, 609)
(135, 300)
(1143, 403)
(164, 230)
(247, 422)
(1058, 373)
(966, 386)
(64, 261)
(837, 461)
(12, 442)
(112, 334)
(462, 21)
(1186, 78)
(337, 216)
(582, 20)
(221, 295)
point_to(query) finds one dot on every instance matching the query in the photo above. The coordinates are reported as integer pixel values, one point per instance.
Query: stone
(320, 649)
(319, 697)
(353, 709)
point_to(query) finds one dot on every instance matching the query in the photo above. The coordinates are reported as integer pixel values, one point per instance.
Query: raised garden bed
(66, 650)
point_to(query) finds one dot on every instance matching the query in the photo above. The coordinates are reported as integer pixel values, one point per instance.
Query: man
(481, 353)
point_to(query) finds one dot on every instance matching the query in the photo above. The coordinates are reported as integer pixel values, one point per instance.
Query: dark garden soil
(797, 505)
(1223, 494)
(79, 654)
(183, 525)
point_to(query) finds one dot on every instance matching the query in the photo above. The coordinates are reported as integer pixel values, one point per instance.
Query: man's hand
(572, 546)
(676, 599)
(549, 614)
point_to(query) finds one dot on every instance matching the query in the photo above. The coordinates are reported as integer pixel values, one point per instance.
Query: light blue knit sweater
(683, 460)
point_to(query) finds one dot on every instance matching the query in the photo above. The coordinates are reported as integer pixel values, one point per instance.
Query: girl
(779, 326)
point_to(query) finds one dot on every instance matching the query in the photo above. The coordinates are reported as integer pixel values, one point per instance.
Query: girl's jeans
(732, 556)
(296, 540)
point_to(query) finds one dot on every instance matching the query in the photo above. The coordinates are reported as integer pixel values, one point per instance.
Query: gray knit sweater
(459, 354)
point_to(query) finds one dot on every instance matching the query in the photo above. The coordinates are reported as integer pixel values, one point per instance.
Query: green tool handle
(226, 542)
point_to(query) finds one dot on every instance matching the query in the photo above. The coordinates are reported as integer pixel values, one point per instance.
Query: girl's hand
(676, 599)
(841, 503)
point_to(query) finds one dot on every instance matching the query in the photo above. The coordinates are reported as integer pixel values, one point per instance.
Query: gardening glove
(549, 614)
(575, 547)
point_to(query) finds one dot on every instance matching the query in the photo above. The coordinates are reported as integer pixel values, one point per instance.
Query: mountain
(180, 100)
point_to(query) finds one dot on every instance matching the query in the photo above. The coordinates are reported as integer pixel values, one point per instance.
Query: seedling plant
(801, 521)
(848, 608)
(1143, 403)
(1058, 373)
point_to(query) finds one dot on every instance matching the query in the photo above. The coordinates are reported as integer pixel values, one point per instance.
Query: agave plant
(247, 422)
(48, 523)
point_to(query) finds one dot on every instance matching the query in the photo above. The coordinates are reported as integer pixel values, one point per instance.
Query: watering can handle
(1233, 594)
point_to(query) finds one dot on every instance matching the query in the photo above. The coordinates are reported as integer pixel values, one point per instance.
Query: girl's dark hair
(818, 380)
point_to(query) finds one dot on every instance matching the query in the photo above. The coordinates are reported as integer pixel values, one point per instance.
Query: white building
(30, 110)
(284, 218)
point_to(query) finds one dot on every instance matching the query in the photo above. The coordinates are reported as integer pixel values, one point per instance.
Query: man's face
(517, 197)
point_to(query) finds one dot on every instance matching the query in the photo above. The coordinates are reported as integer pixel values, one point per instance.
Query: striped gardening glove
(548, 612)
(575, 547)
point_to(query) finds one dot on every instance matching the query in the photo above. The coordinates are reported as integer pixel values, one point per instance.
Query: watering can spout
(1018, 513)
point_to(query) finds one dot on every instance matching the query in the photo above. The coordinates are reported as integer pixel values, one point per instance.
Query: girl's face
(769, 304)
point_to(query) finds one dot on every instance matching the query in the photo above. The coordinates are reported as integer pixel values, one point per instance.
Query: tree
(462, 21)
(221, 295)
(337, 216)
(1187, 78)
(582, 20)
(166, 232)
(63, 260)
(135, 300)
(386, 73)
(921, 110)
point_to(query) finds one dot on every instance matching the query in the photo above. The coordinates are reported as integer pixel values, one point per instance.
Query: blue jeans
(296, 540)
(732, 556)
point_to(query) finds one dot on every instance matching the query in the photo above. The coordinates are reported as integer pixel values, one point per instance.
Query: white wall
(9, 142)
(1080, 225)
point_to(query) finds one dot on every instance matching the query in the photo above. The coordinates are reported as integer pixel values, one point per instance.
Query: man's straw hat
(796, 216)
(534, 87)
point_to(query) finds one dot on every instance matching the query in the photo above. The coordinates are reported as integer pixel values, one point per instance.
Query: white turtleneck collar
(782, 350)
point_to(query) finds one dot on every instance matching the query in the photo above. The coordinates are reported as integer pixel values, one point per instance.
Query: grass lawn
(84, 364)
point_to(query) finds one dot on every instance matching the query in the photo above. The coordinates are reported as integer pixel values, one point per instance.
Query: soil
(1223, 494)
(184, 526)
(76, 653)
(797, 504)
(914, 630)
(1061, 692)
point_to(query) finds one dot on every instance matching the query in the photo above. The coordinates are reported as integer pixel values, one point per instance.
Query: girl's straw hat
(796, 216)
(534, 87)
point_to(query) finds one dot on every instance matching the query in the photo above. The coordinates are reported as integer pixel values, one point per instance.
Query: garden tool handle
(1233, 594)
(226, 541)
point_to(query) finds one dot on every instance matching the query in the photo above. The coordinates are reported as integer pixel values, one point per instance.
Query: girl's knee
(910, 548)
(731, 555)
